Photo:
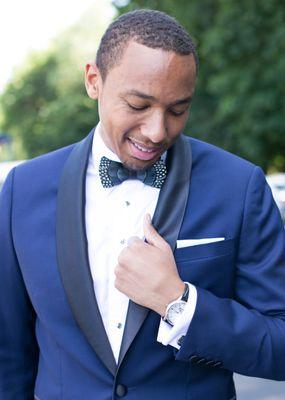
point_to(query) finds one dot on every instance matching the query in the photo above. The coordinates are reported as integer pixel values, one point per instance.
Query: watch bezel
(171, 313)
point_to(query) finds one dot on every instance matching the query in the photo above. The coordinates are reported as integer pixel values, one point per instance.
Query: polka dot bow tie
(113, 173)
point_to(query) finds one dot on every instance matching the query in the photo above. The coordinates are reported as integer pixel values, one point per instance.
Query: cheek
(176, 126)
(122, 122)
(174, 130)
(117, 125)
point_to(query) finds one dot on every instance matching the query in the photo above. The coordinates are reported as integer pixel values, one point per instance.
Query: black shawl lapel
(72, 252)
(167, 220)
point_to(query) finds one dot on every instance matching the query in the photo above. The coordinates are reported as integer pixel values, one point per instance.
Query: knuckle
(118, 271)
(116, 284)
(136, 245)
(123, 256)
(134, 241)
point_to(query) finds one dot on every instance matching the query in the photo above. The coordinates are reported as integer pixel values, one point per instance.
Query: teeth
(141, 148)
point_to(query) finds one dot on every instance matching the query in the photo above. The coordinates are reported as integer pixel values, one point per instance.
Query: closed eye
(136, 108)
(145, 107)
(178, 113)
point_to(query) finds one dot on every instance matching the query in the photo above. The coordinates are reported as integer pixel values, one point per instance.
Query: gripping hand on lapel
(146, 271)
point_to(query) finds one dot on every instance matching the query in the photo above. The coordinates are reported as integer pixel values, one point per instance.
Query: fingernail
(148, 218)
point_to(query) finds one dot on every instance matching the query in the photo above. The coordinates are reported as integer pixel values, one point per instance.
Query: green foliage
(45, 106)
(239, 101)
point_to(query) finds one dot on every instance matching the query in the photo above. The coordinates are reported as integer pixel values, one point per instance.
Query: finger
(133, 239)
(151, 234)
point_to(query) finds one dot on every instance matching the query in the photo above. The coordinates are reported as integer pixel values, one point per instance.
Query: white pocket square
(195, 242)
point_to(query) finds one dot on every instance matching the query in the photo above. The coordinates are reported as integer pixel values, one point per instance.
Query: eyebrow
(149, 97)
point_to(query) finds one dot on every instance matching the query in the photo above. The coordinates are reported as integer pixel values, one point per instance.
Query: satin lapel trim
(167, 219)
(72, 252)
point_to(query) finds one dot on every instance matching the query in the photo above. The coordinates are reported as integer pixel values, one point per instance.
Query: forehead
(155, 71)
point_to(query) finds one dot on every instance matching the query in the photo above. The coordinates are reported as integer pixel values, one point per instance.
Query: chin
(133, 166)
(139, 165)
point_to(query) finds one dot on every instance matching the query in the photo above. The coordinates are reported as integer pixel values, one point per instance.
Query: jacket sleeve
(246, 334)
(18, 348)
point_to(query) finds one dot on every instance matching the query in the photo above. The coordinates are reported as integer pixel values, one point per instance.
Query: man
(154, 287)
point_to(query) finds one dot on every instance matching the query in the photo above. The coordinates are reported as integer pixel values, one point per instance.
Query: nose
(155, 129)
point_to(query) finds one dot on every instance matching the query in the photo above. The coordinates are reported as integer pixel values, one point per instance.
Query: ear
(92, 80)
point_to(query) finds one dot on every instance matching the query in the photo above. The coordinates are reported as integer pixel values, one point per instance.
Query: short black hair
(151, 28)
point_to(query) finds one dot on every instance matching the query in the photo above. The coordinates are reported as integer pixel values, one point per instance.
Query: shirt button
(119, 325)
(127, 203)
(121, 390)
(180, 340)
(123, 241)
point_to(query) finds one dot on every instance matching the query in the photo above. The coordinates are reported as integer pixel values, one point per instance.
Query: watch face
(175, 310)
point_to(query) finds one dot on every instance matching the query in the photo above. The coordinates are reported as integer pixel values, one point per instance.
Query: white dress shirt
(112, 216)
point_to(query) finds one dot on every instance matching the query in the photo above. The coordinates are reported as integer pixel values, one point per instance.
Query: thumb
(151, 234)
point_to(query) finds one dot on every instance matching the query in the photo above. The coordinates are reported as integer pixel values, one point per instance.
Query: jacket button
(180, 340)
(194, 359)
(121, 390)
(218, 364)
(210, 363)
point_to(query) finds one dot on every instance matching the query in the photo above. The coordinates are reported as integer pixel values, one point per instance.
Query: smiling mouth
(144, 149)
(147, 149)
(143, 152)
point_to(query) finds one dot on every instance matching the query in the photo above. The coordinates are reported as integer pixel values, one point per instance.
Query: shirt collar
(99, 148)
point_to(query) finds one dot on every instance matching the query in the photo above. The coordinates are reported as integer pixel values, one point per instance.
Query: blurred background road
(259, 389)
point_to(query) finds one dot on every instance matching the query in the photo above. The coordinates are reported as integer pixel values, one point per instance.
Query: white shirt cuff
(170, 335)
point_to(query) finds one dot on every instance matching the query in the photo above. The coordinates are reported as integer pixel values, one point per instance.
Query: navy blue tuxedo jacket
(53, 345)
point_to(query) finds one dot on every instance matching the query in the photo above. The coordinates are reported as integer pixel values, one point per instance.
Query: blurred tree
(240, 96)
(45, 105)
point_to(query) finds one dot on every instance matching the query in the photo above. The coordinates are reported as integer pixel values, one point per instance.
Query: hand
(147, 273)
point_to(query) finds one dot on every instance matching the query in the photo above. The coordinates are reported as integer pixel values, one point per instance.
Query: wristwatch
(176, 307)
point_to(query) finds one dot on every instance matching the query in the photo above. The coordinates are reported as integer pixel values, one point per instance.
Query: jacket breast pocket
(210, 266)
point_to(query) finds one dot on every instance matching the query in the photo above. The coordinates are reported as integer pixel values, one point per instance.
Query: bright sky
(27, 25)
